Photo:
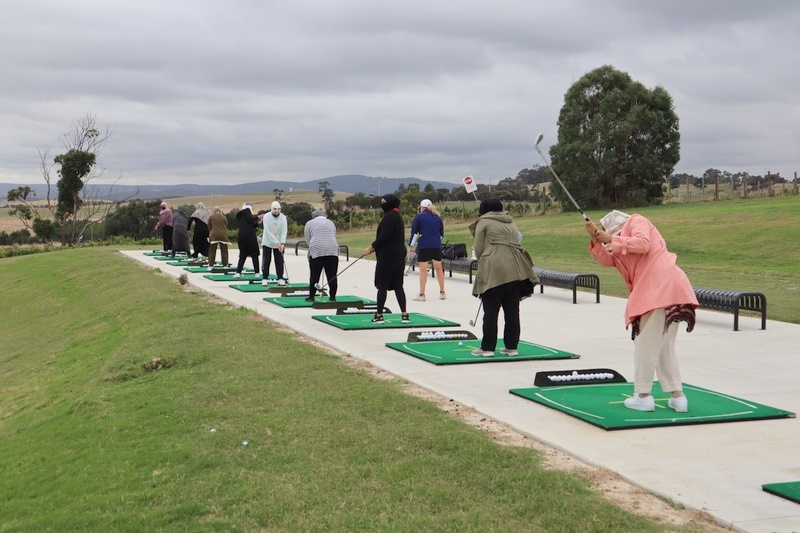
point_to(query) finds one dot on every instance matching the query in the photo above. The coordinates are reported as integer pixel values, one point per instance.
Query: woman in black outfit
(247, 238)
(390, 252)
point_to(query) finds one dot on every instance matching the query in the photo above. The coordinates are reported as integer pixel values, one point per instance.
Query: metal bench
(343, 248)
(568, 280)
(462, 264)
(733, 302)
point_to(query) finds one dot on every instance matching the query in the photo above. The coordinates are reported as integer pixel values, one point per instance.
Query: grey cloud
(244, 90)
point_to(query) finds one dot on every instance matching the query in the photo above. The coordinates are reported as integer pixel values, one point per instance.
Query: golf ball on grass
(460, 343)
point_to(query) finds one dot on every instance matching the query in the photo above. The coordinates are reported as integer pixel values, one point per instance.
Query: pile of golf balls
(358, 310)
(580, 377)
(441, 335)
(297, 293)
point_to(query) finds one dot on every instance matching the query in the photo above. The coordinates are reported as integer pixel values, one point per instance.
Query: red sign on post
(469, 184)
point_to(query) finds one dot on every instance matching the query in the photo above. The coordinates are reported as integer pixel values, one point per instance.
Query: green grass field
(112, 377)
(750, 245)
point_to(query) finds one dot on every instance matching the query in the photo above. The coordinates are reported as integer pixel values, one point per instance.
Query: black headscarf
(392, 202)
(490, 204)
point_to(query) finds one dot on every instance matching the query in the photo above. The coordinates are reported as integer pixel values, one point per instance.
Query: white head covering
(201, 213)
(247, 205)
(614, 221)
(276, 206)
(425, 203)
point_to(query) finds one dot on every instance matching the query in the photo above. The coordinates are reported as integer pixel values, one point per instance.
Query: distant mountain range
(351, 183)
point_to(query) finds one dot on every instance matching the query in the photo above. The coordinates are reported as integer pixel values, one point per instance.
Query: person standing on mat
(428, 224)
(217, 236)
(165, 225)
(180, 232)
(247, 238)
(505, 276)
(323, 253)
(390, 251)
(273, 242)
(660, 297)
(200, 236)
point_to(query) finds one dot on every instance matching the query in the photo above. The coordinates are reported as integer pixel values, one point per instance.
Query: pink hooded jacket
(654, 280)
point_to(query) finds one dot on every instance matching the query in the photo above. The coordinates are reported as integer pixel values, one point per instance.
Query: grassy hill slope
(112, 377)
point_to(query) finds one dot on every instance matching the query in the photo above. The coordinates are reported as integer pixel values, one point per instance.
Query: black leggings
(266, 261)
(399, 293)
(330, 263)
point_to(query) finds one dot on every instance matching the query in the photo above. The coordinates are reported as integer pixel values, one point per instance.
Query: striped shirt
(320, 235)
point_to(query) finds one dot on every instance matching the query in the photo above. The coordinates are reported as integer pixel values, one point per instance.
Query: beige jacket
(501, 259)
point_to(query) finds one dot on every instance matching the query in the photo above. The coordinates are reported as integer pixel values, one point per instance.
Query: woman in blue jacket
(430, 228)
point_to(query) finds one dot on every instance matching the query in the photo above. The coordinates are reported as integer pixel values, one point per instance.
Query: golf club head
(539, 139)
(472, 323)
(318, 286)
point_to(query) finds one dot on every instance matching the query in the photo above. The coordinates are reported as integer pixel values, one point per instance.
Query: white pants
(654, 353)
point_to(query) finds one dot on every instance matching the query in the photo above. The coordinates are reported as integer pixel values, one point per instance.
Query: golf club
(319, 287)
(411, 263)
(285, 269)
(538, 140)
(473, 322)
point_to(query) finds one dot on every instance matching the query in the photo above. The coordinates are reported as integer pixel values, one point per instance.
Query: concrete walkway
(717, 468)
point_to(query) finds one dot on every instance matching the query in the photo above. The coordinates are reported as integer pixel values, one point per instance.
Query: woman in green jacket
(505, 276)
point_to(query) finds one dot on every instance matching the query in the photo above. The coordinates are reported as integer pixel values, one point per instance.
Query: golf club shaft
(338, 273)
(473, 322)
(559, 181)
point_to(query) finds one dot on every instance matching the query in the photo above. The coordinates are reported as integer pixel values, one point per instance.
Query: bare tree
(86, 207)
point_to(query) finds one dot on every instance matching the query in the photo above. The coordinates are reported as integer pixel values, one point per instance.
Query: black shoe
(310, 299)
(377, 319)
(332, 299)
(404, 318)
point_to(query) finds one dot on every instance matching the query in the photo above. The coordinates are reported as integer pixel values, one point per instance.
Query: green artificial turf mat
(448, 352)
(601, 405)
(187, 263)
(300, 301)
(246, 276)
(258, 287)
(364, 321)
(789, 490)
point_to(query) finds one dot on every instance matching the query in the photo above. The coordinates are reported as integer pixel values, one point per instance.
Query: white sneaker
(639, 403)
(442, 296)
(210, 269)
(510, 353)
(237, 275)
(264, 282)
(482, 353)
(680, 404)
(419, 298)
(281, 282)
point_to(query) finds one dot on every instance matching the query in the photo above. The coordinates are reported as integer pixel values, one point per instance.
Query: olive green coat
(501, 259)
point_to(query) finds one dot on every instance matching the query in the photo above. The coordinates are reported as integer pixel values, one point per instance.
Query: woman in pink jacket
(660, 297)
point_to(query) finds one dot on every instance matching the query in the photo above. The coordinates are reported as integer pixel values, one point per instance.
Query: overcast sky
(236, 91)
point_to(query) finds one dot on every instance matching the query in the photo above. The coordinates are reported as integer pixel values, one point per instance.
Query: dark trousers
(212, 254)
(316, 264)
(266, 261)
(166, 236)
(504, 297)
(243, 258)
(399, 293)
